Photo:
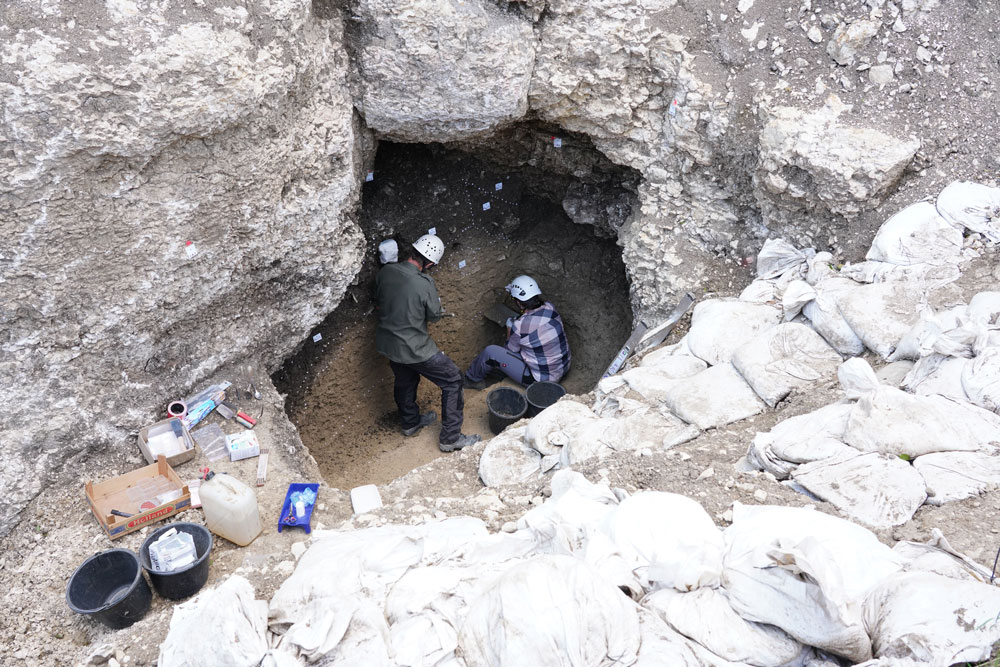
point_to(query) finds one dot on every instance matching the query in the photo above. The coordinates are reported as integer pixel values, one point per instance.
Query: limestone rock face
(427, 71)
(815, 171)
(131, 128)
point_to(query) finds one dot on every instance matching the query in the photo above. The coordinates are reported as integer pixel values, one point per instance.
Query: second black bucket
(506, 406)
(186, 581)
(110, 587)
(543, 394)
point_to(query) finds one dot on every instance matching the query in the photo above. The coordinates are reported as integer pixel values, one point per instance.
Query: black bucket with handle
(506, 406)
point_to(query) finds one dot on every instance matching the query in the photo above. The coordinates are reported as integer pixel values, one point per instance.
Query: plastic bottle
(230, 508)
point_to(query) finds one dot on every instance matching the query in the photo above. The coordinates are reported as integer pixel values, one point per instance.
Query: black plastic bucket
(506, 406)
(187, 580)
(110, 587)
(543, 394)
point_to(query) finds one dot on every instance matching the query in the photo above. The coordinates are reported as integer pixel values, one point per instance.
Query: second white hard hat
(523, 288)
(430, 247)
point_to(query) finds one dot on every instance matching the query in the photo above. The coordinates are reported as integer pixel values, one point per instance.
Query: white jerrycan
(230, 508)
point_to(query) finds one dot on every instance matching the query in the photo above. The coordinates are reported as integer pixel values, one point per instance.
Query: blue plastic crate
(288, 517)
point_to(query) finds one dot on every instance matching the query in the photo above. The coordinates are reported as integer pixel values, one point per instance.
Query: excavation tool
(499, 314)
(643, 337)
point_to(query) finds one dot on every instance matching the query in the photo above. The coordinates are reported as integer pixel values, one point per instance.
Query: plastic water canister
(230, 508)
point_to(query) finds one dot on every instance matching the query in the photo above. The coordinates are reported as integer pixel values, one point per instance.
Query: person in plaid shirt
(536, 350)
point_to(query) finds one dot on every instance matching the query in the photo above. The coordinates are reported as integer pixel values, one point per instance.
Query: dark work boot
(463, 441)
(473, 384)
(425, 419)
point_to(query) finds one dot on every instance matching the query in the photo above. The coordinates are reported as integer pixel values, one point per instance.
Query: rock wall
(179, 189)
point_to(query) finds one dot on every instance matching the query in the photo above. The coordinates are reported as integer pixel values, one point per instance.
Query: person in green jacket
(407, 300)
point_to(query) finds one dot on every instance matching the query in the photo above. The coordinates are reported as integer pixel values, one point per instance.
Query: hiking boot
(463, 441)
(425, 419)
(469, 384)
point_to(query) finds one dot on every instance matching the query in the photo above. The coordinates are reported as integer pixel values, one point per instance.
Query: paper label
(370, 176)
(557, 142)
(498, 186)
(432, 231)
(486, 206)
(317, 338)
(461, 264)
(190, 249)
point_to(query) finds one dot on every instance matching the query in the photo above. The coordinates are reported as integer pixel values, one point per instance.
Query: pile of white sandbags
(595, 577)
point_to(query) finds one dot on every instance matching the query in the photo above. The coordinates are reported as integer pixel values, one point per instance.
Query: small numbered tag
(486, 206)
(461, 264)
(190, 249)
(432, 231)
(557, 142)
(498, 186)
(370, 176)
(317, 338)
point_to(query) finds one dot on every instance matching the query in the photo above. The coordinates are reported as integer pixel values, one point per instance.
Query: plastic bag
(783, 358)
(778, 256)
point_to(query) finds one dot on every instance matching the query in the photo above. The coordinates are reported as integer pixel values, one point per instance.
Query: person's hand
(510, 323)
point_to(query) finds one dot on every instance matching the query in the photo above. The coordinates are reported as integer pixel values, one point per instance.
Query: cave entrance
(499, 218)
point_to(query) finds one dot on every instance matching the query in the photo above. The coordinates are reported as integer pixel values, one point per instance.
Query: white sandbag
(650, 428)
(784, 358)
(895, 422)
(857, 378)
(950, 333)
(894, 373)
(706, 617)
(669, 540)
(662, 646)
(720, 326)
(229, 610)
(877, 490)
(778, 256)
(576, 508)
(820, 268)
(715, 397)
(938, 556)
(506, 459)
(929, 275)
(796, 296)
(984, 308)
(937, 375)
(958, 475)
(980, 378)
(761, 291)
(343, 632)
(550, 611)
(674, 366)
(805, 572)
(917, 235)
(649, 384)
(547, 431)
(824, 314)
(814, 436)
(882, 313)
(973, 206)
(932, 619)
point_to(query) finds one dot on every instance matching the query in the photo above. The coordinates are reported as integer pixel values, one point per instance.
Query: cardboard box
(169, 429)
(144, 493)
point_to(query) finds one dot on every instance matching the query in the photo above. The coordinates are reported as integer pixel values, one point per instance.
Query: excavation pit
(497, 221)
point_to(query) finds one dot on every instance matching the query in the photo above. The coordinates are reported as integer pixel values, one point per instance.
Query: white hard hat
(523, 288)
(430, 247)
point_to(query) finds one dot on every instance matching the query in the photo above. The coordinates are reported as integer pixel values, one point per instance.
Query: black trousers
(443, 372)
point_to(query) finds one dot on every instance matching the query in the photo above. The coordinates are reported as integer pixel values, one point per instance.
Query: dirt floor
(340, 389)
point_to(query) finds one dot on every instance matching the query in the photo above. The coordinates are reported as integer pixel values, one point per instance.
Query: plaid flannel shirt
(539, 339)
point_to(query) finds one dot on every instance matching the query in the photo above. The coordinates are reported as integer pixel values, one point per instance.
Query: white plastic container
(230, 508)
(172, 551)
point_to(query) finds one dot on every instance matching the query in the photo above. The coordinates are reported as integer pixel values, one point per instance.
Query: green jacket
(407, 301)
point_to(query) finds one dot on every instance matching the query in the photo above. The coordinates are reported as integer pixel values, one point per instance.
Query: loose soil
(340, 389)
